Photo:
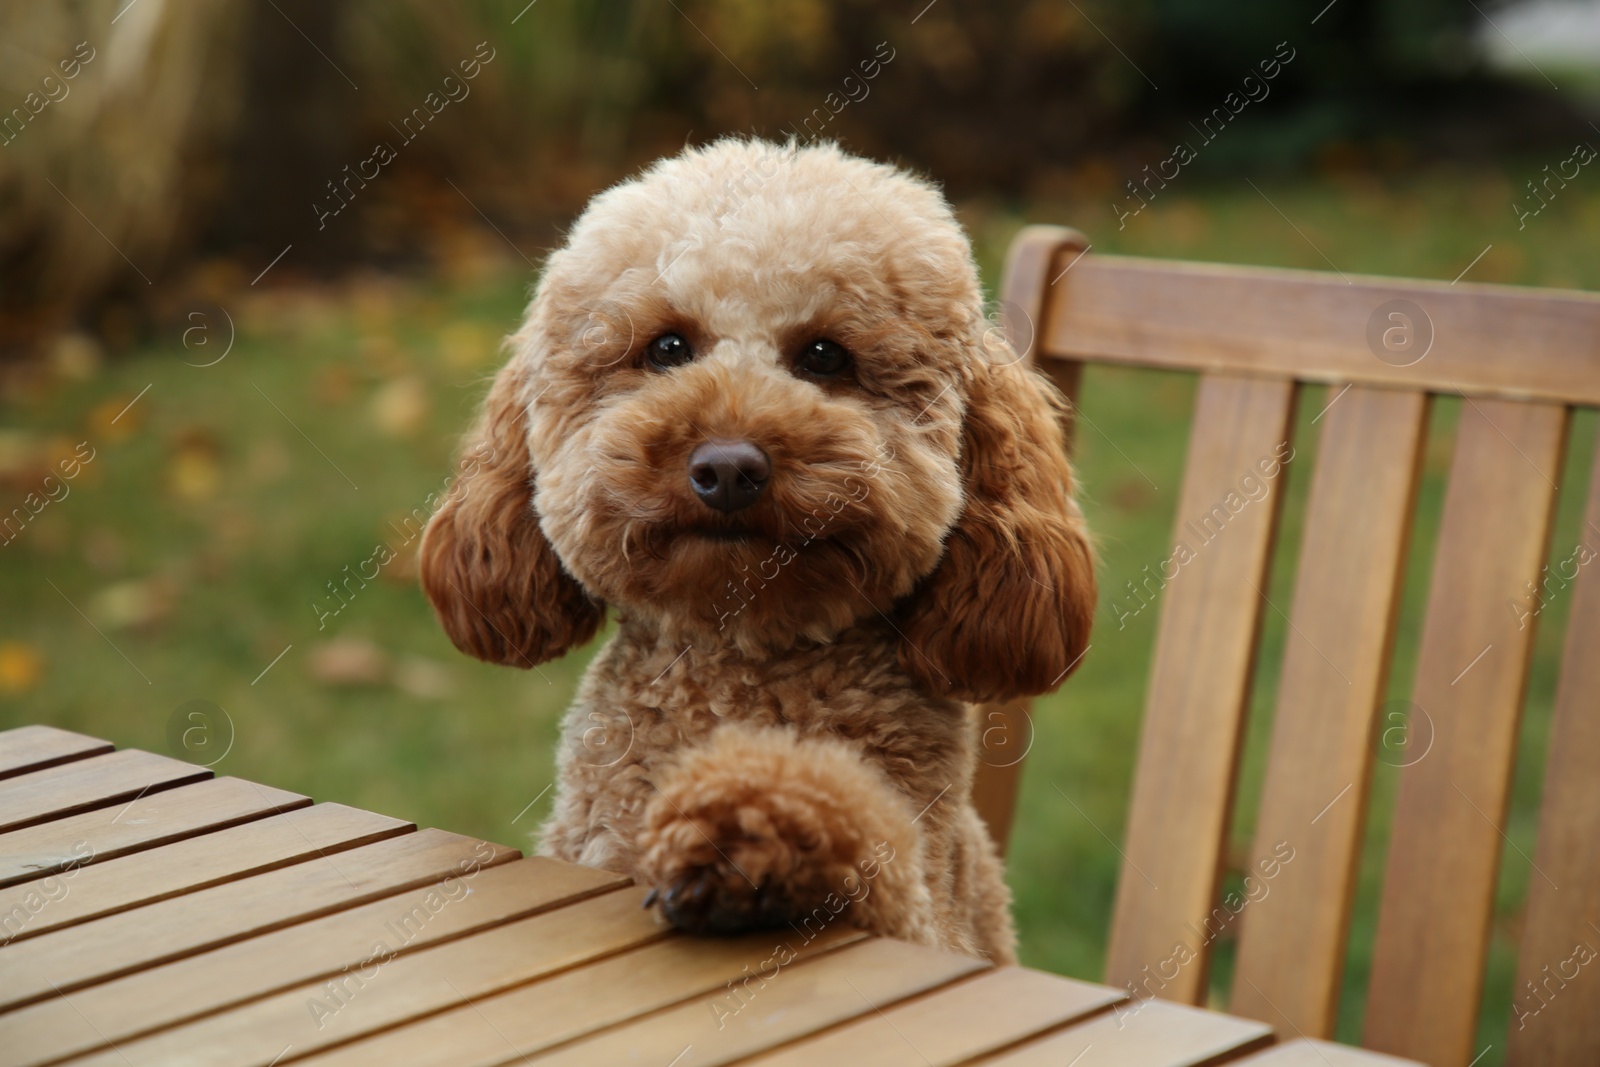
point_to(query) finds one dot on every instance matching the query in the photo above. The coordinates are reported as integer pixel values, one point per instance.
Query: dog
(756, 408)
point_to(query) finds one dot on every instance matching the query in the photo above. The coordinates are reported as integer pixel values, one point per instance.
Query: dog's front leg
(759, 827)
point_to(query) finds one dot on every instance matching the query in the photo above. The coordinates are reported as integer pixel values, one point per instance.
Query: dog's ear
(1007, 612)
(496, 585)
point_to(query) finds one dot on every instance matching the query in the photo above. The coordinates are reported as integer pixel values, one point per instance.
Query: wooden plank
(1555, 1015)
(1032, 263)
(1309, 1053)
(1335, 670)
(291, 1024)
(1153, 1034)
(1472, 666)
(33, 748)
(96, 782)
(1213, 598)
(308, 952)
(530, 1019)
(95, 951)
(1315, 327)
(1005, 731)
(81, 894)
(153, 820)
(836, 986)
(954, 1024)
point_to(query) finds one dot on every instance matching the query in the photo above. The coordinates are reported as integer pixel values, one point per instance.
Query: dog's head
(756, 399)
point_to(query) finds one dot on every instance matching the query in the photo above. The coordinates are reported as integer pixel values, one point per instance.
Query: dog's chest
(690, 691)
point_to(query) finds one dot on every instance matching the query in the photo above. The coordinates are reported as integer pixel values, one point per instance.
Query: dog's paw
(759, 828)
(707, 900)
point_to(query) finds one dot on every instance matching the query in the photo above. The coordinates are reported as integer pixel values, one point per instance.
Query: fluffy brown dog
(757, 408)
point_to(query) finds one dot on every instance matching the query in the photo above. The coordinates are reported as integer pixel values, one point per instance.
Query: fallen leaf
(424, 679)
(138, 602)
(193, 472)
(21, 667)
(76, 356)
(466, 345)
(348, 661)
(118, 418)
(399, 407)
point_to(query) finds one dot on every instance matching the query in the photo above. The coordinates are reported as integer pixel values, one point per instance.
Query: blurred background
(256, 259)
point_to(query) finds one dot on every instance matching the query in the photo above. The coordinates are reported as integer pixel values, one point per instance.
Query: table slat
(32, 748)
(1153, 1034)
(830, 989)
(151, 821)
(954, 1024)
(184, 989)
(96, 782)
(1308, 1053)
(132, 940)
(361, 1001)
(533, 1018)
(81, 894)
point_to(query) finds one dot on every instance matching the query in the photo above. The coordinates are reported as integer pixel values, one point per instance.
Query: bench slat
(32, 748)
(954, 1024)
(79, 895)
(133, 940)
(1472, 667)
(388, 994)
(1347, 592)
(1307, 325)
(307, 952)
(1152, 1034)
(82, 785)
(1558, 1021)
(154, 819)
(836, 986)
(529, 1019)
(1178, 819)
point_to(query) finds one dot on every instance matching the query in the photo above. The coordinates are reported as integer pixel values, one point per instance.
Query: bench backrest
(1521, 359)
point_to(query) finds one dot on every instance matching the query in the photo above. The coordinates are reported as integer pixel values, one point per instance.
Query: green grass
(229, 522)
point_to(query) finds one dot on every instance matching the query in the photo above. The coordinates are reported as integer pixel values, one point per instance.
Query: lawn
(196, 556)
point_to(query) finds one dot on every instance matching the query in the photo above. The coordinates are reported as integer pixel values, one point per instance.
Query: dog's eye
(668, 351)
(823, 359)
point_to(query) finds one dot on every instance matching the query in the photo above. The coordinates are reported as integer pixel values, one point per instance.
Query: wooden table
(151, 913)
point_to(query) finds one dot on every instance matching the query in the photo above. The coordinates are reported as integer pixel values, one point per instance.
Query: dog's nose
(729, 475)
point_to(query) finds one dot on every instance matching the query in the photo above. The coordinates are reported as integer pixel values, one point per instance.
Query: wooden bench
(151, 914)
(1523, 359)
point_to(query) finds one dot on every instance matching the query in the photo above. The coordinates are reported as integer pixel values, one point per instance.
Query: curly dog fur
(782, 725)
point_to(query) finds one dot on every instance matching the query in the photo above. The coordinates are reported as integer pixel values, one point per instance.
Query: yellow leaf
(20, 667)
